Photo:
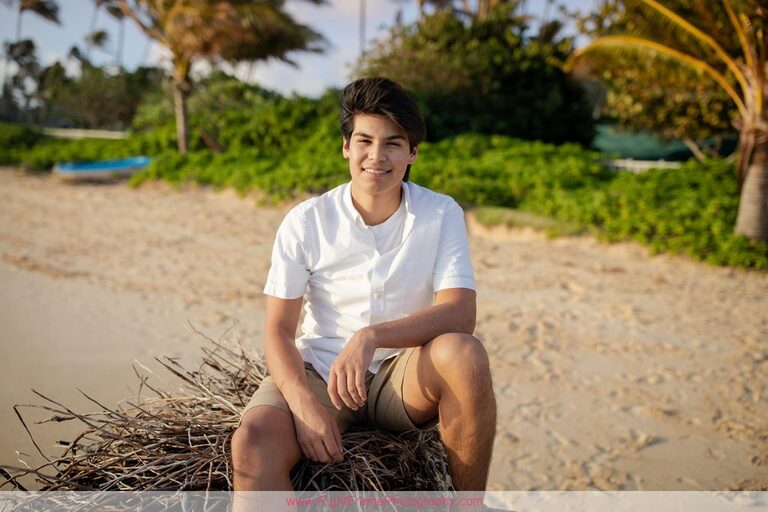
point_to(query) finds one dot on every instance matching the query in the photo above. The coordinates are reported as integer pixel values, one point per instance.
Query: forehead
(377, 126)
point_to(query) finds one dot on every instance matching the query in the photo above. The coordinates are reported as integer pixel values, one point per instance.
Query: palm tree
(229, 31)
(742, 74)
(97, 39)
(114, 10)
(362, 27)
(46, 9)
(97, 5)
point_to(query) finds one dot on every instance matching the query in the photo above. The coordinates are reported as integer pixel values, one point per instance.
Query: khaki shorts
(383, 409)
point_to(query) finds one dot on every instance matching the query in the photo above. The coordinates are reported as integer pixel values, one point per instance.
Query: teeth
(375, 172)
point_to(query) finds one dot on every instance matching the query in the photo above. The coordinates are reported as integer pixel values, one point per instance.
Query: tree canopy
(230, 31)
(485, 75)
(648, 92)
(725, 44)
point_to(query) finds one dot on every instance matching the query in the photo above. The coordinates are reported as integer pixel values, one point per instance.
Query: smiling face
(379, 154)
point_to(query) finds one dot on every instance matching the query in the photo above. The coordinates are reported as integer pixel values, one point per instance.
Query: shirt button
(376, 295)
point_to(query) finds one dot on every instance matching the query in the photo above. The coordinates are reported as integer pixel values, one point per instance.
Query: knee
(245, 436)
(251, 439)
(458, 355)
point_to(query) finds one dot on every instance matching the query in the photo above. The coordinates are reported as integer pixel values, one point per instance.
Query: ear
(413, 155)
(345, 147)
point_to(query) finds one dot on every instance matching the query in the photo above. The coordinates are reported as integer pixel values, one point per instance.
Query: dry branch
(181, 440)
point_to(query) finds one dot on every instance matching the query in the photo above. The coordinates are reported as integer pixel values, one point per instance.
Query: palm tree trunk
(362, 28)
(18, 24)
(94, 18)
(482, 9)
(120, 41)
(752, 219)
(182, 128)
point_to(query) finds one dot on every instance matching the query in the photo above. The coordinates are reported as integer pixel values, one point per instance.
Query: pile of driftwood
(181, 440)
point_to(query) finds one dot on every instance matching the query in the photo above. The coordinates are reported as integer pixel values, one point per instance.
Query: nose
(376, 153)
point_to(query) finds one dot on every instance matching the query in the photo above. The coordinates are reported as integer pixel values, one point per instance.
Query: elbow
(467, 327)
(466, 319)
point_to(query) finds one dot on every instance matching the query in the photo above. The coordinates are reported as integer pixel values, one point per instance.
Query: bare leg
(264, 449)
(451, 375)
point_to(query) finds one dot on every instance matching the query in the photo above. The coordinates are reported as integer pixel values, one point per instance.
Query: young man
(384, 267)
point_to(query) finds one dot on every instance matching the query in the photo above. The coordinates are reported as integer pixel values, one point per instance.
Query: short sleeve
(288, 274)
(453, 267)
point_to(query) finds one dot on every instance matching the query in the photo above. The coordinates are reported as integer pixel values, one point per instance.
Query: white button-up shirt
(325, 252)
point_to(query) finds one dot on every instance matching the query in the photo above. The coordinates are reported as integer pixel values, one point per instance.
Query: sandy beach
(613, 369)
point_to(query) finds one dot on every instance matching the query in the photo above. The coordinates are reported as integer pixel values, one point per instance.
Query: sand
(613, 369)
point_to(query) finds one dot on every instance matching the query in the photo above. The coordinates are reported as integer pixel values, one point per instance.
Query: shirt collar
(357, 218)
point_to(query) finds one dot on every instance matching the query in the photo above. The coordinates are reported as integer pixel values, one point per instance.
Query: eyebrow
(366, 136)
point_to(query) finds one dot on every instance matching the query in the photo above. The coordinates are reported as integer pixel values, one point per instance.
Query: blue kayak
(101, 168)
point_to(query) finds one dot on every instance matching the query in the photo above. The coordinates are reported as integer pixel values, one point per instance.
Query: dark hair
(382, 96)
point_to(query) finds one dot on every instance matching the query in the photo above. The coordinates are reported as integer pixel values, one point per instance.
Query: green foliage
(499, 170)
(563, 189)
(312, 165)
(18, 135)
(240, 116)
(652, 93)
(223, 32)
(100, 99)
(484, 76)
(31, 150)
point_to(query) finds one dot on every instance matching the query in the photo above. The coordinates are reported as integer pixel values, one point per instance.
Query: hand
(346, 385)
(317, 432)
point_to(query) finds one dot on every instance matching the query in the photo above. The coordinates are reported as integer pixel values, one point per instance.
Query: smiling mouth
(375, 172)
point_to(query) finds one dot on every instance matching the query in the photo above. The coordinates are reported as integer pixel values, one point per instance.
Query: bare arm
(454, 310)
(316, 432)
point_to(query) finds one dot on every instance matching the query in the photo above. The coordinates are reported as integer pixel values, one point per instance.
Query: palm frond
(704, 38)
(638, 43)
(741, 32)
(47, 9)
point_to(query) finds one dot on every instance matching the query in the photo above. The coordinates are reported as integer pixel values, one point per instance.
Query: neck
(376, 209)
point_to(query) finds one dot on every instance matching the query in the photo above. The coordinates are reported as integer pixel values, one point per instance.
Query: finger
(306, 449)
(322, 451)
(352, 388)
(360, 380)
(341, 387)
(337, 440)
(332, 393)
(334, 451)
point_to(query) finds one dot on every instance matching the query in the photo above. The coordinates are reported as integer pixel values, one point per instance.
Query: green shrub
(690, 210)
(15, 139)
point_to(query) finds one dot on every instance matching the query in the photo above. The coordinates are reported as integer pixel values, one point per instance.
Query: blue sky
(338, 21)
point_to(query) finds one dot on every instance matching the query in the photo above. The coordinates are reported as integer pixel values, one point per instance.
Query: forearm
(424, 325)
(287, 368)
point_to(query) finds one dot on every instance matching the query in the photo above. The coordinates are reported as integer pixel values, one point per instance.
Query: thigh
(419, 396)
(269, 394)
(392, 405)
(266, 394)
